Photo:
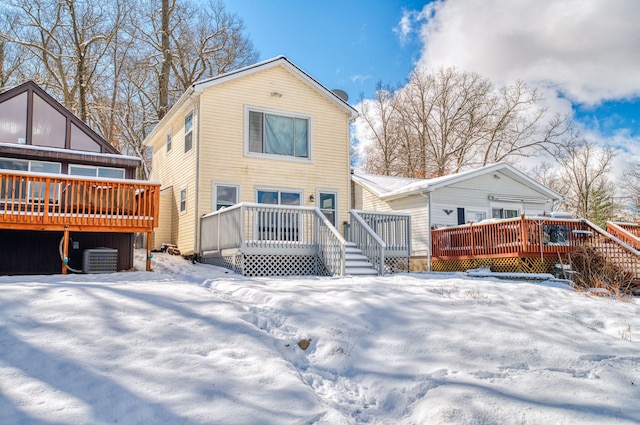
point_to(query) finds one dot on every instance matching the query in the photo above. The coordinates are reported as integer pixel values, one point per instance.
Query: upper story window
(188, 132)
(169, 136)
(90, 171)
(278, 134)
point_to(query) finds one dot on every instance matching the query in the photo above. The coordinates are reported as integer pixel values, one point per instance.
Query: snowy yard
(196, 344)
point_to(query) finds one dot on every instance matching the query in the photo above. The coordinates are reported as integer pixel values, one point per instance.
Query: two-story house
(269, 146)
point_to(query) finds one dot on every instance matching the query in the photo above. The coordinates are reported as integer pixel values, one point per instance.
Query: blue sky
(583, 56)
(344, 44)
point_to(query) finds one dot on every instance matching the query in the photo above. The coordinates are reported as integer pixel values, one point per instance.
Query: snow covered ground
(196, 344)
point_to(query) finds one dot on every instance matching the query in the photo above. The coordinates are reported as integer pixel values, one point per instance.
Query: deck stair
(356, 263)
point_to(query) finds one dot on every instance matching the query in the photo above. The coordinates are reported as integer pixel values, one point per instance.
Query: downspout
(429, 245)
(196, 239)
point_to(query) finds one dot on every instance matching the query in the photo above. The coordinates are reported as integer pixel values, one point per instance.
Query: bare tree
(379, 115)
(119, 65)
(583, 179)
(189, 41)
(447, 120)
(12, 56)
(70, 39)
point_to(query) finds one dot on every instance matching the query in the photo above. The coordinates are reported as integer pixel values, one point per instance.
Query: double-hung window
(169, 137)
(183, 200)
(188, 132)
(285, 135)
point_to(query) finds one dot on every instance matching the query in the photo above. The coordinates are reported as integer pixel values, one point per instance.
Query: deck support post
(523, 233)
(149, 246)
(65, 251)
(473, 238)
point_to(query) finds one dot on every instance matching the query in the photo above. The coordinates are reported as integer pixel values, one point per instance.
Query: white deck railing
(367, 241)
(393, 228)
(272, 229)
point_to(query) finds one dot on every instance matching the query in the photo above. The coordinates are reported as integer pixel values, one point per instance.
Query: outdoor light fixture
(311, 198)
(276, 94)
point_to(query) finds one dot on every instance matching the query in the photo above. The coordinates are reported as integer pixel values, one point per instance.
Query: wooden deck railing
(629, 233)
(530, 237)
(31, 201)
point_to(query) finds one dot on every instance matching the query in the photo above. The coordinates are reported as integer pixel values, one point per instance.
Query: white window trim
(214, 192)
(247, 153)
(184, 138)
(279, 189)
(333, 192)
(186, 200)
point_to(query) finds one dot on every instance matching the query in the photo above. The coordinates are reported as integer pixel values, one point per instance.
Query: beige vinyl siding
(222, 149)
(177, 169)
(167, 206)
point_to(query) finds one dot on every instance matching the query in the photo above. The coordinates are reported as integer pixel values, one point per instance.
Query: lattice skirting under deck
(499, 265)
(270, 265)
(396, 265)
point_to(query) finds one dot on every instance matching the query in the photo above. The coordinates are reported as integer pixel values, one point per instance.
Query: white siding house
(491, 192)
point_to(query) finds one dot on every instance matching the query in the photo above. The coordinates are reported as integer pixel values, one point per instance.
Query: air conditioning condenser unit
(100, 260)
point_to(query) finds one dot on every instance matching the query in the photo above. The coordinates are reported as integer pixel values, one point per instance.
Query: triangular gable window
(13, 119)
(81, 141)
(49, 125)
(28, 115)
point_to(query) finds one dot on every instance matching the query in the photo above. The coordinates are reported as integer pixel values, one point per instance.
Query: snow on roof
(70, 151)
(382, 185)
(396, 187)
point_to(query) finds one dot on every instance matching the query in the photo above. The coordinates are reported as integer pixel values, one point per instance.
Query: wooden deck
(39, 202)
(542, 240)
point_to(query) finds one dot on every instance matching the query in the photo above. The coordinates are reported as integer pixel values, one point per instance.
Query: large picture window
(278, 134)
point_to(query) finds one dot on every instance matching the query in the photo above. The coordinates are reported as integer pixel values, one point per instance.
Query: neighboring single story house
(64, 190)
(495, 191)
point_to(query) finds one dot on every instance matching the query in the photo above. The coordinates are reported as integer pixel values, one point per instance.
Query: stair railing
(330, 244)
(371, 245)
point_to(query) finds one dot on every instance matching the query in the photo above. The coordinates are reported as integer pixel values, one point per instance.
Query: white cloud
(405, 27)
(589, 50)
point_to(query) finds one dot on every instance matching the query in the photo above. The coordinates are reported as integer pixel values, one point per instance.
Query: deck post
(473, 238)
(149, 246)
(523, 233)
(65, 250)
